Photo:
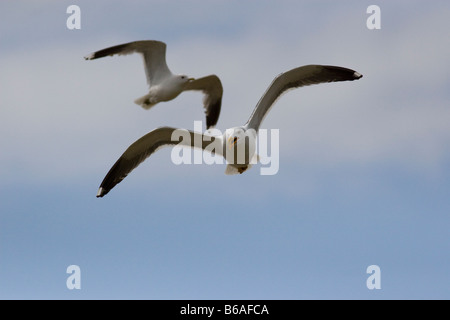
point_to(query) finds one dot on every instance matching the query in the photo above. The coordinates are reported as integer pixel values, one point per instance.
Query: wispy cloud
(59, 110)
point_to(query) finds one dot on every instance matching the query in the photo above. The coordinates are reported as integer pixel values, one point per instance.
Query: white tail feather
(232, 170)
(145, 102)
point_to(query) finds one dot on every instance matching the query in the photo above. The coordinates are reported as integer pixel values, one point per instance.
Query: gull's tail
(233, 169)
(145, 102)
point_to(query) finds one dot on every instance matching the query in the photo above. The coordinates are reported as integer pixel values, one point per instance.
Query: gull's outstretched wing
(147, 145)
(295, 78)
(153, 52)
(212, 88)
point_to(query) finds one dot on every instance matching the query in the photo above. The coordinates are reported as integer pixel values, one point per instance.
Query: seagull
(164, 85)
(237, 138)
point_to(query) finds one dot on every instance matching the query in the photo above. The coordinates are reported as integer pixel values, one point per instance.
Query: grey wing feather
(141, 150)
(212, 88)
(295, 78)
(153, 52)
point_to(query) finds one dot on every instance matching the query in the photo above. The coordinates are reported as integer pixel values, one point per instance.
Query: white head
(182, 79)
(240, 143)
(173, 86)
(235, 137)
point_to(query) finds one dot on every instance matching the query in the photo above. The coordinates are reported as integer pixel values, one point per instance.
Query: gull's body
(242, 137)
(163, 84)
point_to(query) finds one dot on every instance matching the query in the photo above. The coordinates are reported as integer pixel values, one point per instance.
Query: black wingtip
(357, 75)
(212, 115)
(101, 192)
(90, 56)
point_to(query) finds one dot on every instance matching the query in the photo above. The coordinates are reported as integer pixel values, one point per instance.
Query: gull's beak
(232, 143)
(191, 79)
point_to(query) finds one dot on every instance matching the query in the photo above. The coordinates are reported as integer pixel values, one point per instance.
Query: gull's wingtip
(89, 56)
(101, 192)
(357, 75)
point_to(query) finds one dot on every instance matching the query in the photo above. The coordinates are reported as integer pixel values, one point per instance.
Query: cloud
(62, 116)
(350, 156)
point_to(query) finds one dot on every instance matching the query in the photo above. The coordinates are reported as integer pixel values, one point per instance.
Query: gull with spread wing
(164, 85)
(233, 138)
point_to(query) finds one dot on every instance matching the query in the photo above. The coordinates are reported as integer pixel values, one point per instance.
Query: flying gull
(164, 85)
(233, 138)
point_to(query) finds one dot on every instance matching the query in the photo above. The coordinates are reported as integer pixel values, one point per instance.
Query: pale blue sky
(364, 166)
